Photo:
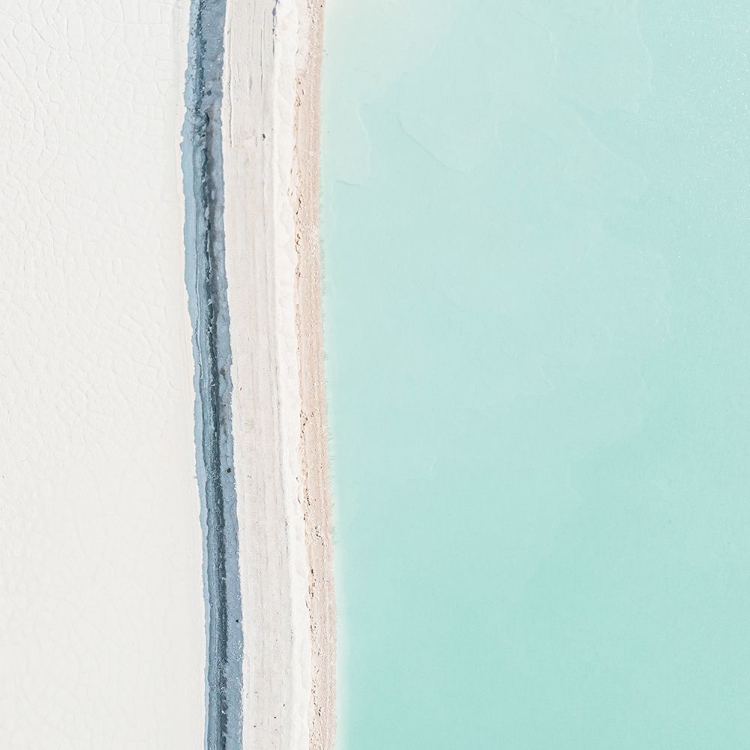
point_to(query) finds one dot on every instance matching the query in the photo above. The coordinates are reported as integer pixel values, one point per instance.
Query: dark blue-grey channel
(207, 293)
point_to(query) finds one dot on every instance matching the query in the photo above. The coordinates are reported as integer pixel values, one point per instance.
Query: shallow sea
(536, 237)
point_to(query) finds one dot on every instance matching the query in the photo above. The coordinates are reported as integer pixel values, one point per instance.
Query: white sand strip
(270, 169)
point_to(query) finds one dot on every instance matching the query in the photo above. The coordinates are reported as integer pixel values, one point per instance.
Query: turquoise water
(536, 228)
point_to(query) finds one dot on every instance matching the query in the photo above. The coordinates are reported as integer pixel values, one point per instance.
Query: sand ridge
(270, 145)
(314, 434)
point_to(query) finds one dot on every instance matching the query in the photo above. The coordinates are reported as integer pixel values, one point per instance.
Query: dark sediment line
(207, 291)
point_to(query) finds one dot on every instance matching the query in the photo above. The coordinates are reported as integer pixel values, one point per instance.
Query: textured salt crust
(270, 169)
(101, 621)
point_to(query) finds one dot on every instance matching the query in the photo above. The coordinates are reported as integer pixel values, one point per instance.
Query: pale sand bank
(270, 143)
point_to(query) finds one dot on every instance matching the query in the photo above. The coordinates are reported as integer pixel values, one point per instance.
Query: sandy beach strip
(314, 433)
(270, 152)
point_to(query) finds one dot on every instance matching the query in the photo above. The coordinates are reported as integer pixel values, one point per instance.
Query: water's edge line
(206, 281)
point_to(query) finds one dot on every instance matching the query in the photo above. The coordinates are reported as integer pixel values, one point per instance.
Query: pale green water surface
(536, 231)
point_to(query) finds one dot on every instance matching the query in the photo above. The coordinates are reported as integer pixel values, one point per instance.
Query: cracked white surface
(101, 631)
